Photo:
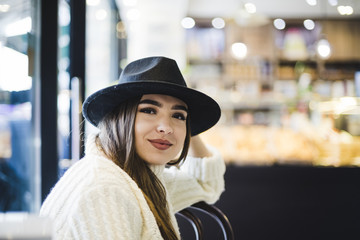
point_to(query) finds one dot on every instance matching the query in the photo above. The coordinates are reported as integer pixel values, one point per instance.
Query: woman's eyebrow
(149, 101)
(158, 104)
(180, 107)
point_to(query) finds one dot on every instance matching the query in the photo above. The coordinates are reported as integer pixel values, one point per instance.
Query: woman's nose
(164, 126)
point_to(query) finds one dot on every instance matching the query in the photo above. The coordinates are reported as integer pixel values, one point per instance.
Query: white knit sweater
(96, 199)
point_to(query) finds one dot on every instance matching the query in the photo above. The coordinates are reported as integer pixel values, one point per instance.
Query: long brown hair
(116, 139)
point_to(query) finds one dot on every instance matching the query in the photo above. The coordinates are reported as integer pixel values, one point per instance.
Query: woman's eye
(148, 110)
(179, 116)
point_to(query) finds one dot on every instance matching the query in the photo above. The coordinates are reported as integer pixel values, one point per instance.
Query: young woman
(125, 186)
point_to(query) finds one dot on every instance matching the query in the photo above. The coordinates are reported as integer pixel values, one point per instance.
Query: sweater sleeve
(104, 213)
(198, 179)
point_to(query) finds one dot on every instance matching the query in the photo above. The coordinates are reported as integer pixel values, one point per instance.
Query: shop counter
(293, 202)
(290, 203)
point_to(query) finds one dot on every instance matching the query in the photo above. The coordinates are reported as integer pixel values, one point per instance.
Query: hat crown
(158, 69)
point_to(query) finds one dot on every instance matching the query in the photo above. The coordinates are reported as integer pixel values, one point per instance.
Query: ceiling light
(239, 50)
(188, 23)
(64, 14)
(4, 7)
(218, 23)
(130, 3)
(323, 48)
(250, 7)
(333, 2)
(309, 24)
(92, 2)
(279, 24)
(345, 10)
(311, 2)
(101, 14)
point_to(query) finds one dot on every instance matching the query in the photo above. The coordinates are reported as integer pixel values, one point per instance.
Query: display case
(272, 101)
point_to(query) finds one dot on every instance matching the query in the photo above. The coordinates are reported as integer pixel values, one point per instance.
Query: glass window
(105, 46)
(19, 161)
(64, 92)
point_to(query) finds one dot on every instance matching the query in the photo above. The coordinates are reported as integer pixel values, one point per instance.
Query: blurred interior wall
(153, 28)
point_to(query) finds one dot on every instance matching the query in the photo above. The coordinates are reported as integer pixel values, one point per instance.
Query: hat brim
(203, 110)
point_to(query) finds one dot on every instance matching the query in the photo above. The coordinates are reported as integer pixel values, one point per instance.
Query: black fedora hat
(153, 75)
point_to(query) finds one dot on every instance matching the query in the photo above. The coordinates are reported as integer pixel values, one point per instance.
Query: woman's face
(160, 128)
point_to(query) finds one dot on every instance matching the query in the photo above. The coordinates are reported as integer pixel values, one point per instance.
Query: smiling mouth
(160, 144)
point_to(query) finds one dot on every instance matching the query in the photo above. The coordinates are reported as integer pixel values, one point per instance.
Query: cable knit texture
(96, 199)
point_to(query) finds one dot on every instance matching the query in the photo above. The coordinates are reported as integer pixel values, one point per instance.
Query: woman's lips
(160, 144)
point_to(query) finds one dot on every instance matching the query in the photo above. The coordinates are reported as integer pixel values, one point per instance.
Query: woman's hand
(198, 148)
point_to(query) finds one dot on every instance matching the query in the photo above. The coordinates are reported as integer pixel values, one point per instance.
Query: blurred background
(285, 73)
